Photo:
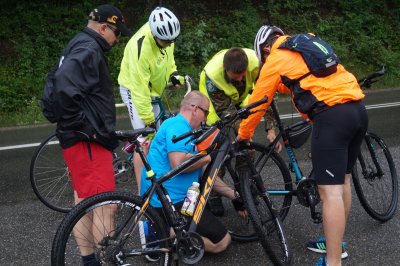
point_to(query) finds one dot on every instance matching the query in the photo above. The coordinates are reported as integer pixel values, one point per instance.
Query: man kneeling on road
(165, 155)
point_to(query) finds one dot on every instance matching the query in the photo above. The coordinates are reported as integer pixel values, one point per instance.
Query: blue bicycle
(374, 175)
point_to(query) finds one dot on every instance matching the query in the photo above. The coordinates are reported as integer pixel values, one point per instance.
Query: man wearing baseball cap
(84, 108)
(110, 15)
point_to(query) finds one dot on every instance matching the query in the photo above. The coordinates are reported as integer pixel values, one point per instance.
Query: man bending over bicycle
(165, 155)
(227, 80)
(333, 103)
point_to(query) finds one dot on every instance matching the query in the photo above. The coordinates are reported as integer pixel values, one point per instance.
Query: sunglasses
(168, 41)
(116, 31)
(206, 112)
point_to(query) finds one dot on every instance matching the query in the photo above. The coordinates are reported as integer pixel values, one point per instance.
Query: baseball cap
(111, 15)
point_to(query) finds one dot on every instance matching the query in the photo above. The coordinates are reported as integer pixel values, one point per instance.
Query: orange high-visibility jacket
(284, 67)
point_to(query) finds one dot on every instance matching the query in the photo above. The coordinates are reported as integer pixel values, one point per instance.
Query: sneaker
(147, 235)
(321, 262)
(215, 205)
(319, 246)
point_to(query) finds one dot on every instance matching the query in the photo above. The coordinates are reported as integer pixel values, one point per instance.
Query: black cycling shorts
(209, 226)
(336, 139)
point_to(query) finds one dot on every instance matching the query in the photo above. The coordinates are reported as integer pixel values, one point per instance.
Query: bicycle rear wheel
(265, 219)
(377, 189)
(51, 181)
(118, 237)
(276, 178)
(50, 177)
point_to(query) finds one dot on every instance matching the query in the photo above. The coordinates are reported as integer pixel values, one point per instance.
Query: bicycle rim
(378, 194)
(275, 177)
(51, 181)
(115, 213)
(241, 230)
(266, 222)
(49, 176)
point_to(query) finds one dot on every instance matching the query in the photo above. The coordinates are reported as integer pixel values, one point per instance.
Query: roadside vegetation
(365, 34)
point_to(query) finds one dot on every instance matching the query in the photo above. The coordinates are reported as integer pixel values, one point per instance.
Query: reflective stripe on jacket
(214, 70)
(283, 67)
(145, 70)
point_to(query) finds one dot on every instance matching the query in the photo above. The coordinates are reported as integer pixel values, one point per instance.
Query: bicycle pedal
(317, 218)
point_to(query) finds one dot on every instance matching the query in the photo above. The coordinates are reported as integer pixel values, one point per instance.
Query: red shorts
(91, 168)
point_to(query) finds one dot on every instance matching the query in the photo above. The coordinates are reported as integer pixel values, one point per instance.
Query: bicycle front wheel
(106, 229)
(276, 178)
(375, 179)
(50, 177)
(265, 219)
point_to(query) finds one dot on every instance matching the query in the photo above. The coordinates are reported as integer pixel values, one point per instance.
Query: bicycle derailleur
(308, 196)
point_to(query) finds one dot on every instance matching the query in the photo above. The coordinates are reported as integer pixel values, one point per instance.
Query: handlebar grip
(175, 139)
(257, 103)
(369, 78)
(193, 132)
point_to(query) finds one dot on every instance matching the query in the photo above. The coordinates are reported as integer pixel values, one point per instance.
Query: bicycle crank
(190, 248)
(308, 196)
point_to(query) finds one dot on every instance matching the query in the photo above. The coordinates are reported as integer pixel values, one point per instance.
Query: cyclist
(165, 155)
(340, 121)
(85, 107)
(227, 80)
(147, 66)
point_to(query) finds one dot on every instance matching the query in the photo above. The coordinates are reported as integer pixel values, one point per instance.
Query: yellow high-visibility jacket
(146, 70)
(214, 71)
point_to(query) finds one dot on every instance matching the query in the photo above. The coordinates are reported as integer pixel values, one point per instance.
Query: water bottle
(192, 195)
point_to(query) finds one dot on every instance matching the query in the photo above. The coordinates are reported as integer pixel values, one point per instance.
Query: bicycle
(49, 176)
(122, 244)
(376, 188)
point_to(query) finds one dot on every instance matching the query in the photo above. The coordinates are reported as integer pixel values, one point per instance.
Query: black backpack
(318, 55)
(47, 101)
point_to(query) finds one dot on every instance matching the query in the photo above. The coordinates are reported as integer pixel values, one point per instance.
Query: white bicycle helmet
(262, 36)
(164, 24)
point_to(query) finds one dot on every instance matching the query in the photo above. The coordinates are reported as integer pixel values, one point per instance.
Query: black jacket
(84, 98)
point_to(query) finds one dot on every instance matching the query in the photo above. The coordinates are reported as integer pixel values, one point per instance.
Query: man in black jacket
(85, 110)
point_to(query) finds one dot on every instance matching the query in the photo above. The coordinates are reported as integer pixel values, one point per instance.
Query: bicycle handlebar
(187, 84)
(193, 132)
(367, 81)
(132, 135)
(229, 118)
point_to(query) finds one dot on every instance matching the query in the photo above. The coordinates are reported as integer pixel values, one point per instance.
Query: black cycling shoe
(215, 205)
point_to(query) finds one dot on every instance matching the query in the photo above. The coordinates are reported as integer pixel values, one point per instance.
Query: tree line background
(365, 35)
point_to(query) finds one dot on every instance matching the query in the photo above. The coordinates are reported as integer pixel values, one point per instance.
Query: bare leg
(347, 195)
(92, 227)
(83, 231)
(217, 247)
(334, 221)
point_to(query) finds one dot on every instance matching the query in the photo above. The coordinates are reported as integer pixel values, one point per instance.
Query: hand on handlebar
(177, 80)
(239, 139)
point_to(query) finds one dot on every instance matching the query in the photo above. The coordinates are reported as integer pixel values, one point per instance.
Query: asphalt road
(27, 226)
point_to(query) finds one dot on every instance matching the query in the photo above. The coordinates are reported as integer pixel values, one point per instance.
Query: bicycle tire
(378, 194)
(64, 248)
(276, 176)
(51, 181)
(49, 176)
(266, 221)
